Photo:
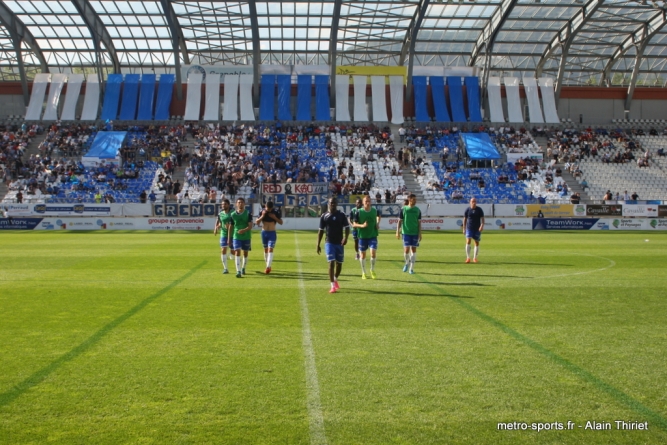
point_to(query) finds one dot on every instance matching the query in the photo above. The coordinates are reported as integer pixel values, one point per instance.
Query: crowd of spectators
(45, 178)
(13, 142)
(228, 158)
(56, 168)
(367, 162)
(512, 140)
(570, 145)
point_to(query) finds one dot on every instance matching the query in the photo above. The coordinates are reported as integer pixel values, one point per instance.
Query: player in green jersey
(410, 226)
(355, 233)
(224, 224)
(242, 222)
(367, 223)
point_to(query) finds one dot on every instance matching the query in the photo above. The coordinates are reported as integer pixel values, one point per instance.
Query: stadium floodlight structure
(576, 42)
(19, 34)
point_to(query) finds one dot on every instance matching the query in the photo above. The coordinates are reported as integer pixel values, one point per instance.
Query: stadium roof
(577, 42)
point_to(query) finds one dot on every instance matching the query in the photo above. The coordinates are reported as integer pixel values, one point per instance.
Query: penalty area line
(315, 418)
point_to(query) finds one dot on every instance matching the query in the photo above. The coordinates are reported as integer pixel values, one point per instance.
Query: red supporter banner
(292, 188)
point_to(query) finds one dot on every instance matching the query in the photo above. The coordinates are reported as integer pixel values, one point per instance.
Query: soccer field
(138, 338)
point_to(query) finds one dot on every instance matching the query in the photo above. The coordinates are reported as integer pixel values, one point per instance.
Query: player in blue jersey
(268, 219)
(333, 223)
(473, 224)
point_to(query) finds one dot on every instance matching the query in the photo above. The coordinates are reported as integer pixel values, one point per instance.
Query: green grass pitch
(137, 338)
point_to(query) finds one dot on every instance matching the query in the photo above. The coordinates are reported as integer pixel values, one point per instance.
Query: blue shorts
(224, 241)
(477, 236)
(269, 239)
(355, 234)
(410, 240)
(366, 243)
(334, 252)
(241, 244)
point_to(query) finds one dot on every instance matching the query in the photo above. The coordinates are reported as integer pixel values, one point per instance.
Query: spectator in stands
(584, 184)
(608, 196)
(152, 197)
(142, 197)
(626, 196)
(635, 196)
(661, 152)
(19, 197)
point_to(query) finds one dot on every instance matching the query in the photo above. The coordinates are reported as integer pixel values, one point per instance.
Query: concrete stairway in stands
(410, 180)
(412, 185)
(3, 190)
(574, 186)
(32, 148)
(179, 172)
(570, 180)
(541, 141)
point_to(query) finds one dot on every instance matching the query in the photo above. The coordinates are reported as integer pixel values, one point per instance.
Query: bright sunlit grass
(138, 338)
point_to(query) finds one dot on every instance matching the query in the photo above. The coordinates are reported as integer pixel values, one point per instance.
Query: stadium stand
(56, 174)
(618, 158)
(446, 181)
(365, 162)
(236, 160)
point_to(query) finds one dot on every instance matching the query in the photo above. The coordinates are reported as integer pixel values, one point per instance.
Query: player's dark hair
(412, 195)
(226, 201)
(269, 205)
(240, 199)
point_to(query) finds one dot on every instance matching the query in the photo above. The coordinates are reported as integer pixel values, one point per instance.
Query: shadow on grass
(400, 294)
(437, 282)
(471, 275)
(494, 263)
(305, 276)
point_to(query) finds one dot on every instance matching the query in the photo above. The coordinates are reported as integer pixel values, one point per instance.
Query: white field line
(611, 264)
(315, 418)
